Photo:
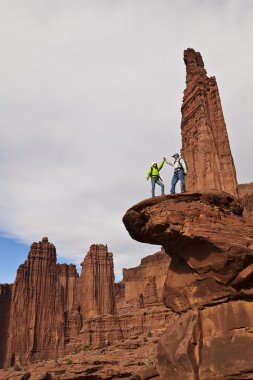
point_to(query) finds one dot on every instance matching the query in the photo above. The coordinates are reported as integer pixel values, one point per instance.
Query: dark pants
(155, 180)
(178, 176)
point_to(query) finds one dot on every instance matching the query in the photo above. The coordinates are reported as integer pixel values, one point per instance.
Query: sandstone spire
(5, 304)
(96, 283)
(35, 311)
(205, 144)
(37, 308)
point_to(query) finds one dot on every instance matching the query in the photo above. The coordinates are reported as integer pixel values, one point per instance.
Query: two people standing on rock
(180, 171)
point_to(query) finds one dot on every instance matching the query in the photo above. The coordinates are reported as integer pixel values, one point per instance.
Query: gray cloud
(91, 94)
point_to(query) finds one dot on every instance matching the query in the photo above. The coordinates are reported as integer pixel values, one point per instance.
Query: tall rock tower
(36, 318)
(96, 283)
(36, 315)
(5, 305)
(205, 144)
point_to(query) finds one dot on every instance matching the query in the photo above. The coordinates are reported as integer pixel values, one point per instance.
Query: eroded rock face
(103, 331)
(246, 199)
(198, 231)
(208, 234)
(36, 325)
(96, 283)
(205, 144)
(67, 276)
(213, 343)
(209, 282)
(50, 311)
(138, 305)
(37, 307)
(142, 286)
(5, 304)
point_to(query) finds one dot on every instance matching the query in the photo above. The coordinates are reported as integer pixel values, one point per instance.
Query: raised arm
(161, 165)
(168, 161)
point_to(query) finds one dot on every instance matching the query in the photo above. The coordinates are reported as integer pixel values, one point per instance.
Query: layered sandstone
(67, 276)
(96, 283)
(208, 234)
(142, 286)
(138, 305)
(210, 278)
(34, 319)
(246, 199)
(5, 304)
(104, 331)
(208, 265)
(205, 144)
(50, 310)
(212, 343)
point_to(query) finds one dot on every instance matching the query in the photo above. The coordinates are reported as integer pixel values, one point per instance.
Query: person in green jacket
(153, 173)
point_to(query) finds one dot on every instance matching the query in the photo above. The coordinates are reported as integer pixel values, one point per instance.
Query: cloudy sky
(90, 94)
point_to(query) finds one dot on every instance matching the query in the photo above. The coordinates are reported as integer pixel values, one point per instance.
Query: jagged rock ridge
(50, 310)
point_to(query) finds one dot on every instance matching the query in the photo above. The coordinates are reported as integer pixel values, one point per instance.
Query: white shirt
(176, 164)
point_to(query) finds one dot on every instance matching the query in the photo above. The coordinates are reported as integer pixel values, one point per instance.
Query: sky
(90, 95)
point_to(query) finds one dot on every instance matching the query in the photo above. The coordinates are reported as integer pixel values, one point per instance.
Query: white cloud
(91, 94)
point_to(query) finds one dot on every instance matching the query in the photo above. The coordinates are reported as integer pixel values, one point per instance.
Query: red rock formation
(36, 328)
(142, 286)
(96, 283)
(208, 344)
(150, 294)
(246, 199)
(38, 307)
(68, 276)
(198, 231)
(102, 331)
(5, 304)
(49, 310)
(205, 144)
(209, 238)
(210, 277)
(73, 326)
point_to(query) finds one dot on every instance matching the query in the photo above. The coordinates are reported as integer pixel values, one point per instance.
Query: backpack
(181, 166)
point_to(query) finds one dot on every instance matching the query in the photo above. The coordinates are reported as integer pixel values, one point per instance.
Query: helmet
(176, 155)
(153, 163)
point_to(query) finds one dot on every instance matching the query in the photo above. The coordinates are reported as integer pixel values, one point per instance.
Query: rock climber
(153, 173)
(180, 170)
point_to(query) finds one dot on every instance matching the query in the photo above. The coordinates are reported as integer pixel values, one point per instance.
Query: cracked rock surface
(209, 283)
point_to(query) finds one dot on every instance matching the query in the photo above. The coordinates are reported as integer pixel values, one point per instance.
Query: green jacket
(155, 171)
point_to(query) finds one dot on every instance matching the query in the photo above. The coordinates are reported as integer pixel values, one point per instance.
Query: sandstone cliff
(205, 144)
(210, 276)
(142, 286)
(5, 304)
(208, 234)
(96, 283)
(36, 317)
(50, 310)
(246, 199)
(137, 300)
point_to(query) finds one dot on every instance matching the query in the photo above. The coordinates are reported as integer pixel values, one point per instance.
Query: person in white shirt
(180, 170)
